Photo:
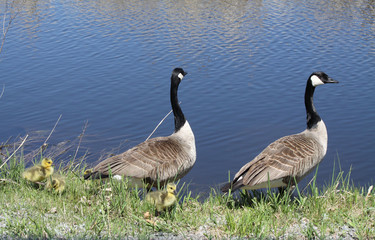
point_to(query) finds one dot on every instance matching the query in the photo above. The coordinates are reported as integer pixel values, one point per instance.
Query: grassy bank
(110, 210)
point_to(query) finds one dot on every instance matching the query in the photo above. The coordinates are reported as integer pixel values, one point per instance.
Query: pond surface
(108, 63)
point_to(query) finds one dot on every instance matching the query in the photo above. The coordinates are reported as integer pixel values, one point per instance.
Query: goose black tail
(94, 175)
(226, 187)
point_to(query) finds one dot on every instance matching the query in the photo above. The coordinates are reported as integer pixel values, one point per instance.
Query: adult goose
(290, 157)
(157, 160)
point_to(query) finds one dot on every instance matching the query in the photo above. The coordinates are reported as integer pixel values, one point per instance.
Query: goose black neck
(312, 116)
(179, 118)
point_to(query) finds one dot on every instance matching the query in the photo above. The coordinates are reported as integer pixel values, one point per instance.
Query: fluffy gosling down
(164, 198)
(56, 182)
(39, 172)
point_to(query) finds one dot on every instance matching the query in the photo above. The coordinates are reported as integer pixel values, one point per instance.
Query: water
(109, 63)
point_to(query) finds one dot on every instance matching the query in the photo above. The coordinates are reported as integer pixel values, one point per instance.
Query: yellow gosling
(56, 182)
(87, 171)
(163, 199)
(40, 172)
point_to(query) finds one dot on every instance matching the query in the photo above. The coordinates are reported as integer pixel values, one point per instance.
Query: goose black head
(319, 78)
(179, 74)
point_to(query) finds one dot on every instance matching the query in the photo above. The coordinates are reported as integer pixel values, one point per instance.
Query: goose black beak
(331, 80)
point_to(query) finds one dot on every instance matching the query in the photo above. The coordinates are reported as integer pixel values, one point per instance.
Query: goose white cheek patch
(180, 76)
(316, 81)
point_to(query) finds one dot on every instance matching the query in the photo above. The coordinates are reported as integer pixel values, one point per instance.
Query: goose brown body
(157, 159)
(289, 157)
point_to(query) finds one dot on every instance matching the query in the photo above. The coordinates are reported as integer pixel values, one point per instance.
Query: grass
(112, 210)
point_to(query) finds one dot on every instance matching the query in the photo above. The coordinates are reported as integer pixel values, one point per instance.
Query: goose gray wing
(154, 159)
(286, 158)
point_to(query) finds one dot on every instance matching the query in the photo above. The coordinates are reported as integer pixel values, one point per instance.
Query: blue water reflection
(109, 62)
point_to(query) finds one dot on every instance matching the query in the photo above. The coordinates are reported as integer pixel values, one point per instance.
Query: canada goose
(163, 199)
(56, 182)
(289, 157)
(40, 172)
(158, 159)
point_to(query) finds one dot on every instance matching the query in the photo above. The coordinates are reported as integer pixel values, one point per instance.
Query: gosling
(87, 171)
(40, 172)
(163, 199)
(56, 182)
